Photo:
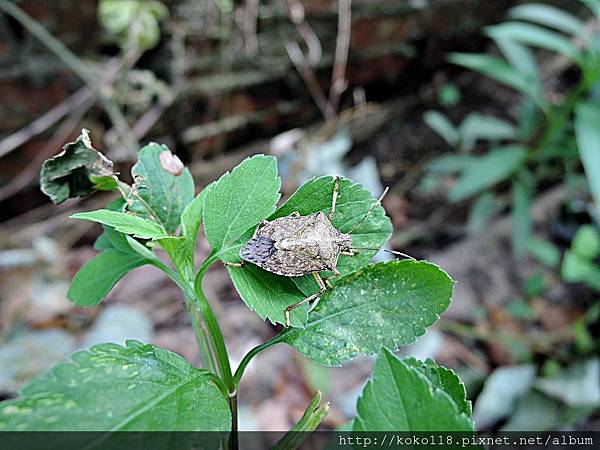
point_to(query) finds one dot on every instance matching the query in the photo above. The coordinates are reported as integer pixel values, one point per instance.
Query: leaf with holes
(157, 193)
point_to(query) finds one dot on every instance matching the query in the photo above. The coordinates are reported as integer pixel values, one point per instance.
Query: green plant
(579, 264)
(372, 308)
(552, 135)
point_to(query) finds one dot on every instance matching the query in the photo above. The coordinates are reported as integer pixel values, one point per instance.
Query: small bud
(171, 163)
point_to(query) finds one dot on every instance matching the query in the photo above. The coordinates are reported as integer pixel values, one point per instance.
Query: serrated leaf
(399, 397)
(240, 199)
(138, 387)
(125, 222)
(381, 305)
(310, 420)
(75, 172)
(587, 130)
(444, 379)
(487, 170)
(157, 194)
(97, 277)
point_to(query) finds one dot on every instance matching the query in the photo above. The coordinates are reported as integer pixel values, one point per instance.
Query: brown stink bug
(295, 245)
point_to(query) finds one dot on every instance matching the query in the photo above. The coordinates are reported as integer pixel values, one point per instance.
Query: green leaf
(138, 387)
(521, 218)
(76, 172)
(549, 16)
(239, 200)
(97, 277)
(439, 123)
(520, 57)
(157, 193)
(482, 212)
(386, 304)
(488, 170)
(400, 397)
(586, 242)
(544, 251)
(181, 249)
(133, 19)
(444, 379)
(310, 420)
(478, 126)
(536, 36)
(587, 130)
(499, 70)
(268, 294)
(451, 163)
(124, 222)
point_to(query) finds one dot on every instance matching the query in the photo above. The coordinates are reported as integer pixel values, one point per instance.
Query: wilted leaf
(77, 171)
(157, 194)
(381, 305)
(400, 397)
(113, 388)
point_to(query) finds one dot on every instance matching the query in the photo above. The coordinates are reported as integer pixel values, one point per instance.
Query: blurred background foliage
(483, 118)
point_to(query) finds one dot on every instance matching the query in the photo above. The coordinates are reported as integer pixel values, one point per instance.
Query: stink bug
(296, 245)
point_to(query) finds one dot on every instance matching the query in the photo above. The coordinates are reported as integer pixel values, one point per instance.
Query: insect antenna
(393, 252)
(385, 191)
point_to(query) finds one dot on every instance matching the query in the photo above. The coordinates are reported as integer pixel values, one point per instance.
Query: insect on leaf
(353, 203)
(157, 193)
(386, 304)
(402, 397)
(76, 172)
(138, 387)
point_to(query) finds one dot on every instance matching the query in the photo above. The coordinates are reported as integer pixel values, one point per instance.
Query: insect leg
(230, 264)
(336, 189)
(322, 288)
(349, 252)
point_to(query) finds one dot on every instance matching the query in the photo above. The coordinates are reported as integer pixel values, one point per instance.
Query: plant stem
(251, 354)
